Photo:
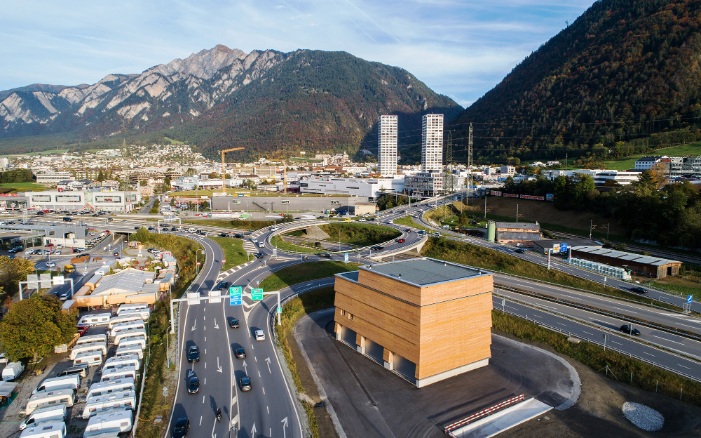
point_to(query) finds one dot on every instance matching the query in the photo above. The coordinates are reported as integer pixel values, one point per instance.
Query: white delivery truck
(72, 381)
(113, 420)
(118, 385)
(12, 371)
(43, 415)
(53, 429)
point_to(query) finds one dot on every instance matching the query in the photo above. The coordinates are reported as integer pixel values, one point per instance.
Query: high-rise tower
(432, 143)
(387, 145)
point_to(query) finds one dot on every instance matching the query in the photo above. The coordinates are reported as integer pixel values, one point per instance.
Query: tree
(34, 326)
(12, 271)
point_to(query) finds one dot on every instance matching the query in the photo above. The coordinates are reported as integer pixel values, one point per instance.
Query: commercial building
(370, 188)
(387, 146)
(636, 264)
(53, 178)
(424, 319)
(522, 233)
(116, 201)
(601, 177)
(432, 143)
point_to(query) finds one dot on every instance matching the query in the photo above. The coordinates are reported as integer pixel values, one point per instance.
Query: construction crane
(223, 166)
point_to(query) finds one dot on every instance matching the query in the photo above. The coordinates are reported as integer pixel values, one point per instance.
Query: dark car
(173, 228)
(180, 428)
(193, 382)
(223, 285)
(245, 383)
(233, 322)
(223, 235)
(520, 250)
(638, 290)
(325, 255)
(259, 255)
(627, 328)
(238, 236)
(193, 354)
(240, 353)
(377, 247)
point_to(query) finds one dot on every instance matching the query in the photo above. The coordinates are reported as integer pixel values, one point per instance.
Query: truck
(12, 371)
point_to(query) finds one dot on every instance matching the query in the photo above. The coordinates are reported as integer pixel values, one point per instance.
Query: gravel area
(643, 417)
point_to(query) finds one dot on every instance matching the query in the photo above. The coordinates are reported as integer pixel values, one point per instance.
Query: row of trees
(16, 176)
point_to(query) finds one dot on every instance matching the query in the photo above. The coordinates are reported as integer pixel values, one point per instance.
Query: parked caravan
(80, 370)
(89, 358)
(143, 313)
(124, 318)
(127, 348)
(43, 415)
(131, 307)
(93, 346)
(133, 325)
(110, 421)
(53, 429)
(72, 382)
(88, 339)
(118, 361)
(12, 371)
(47, 398)
(136, 334)
(95, 319)
(118, 385)
(96, 405)
(121, 372)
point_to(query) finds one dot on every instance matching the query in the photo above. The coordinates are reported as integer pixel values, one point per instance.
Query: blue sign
(689, 299)
(235, 300)
(345, 257)
(564, 247)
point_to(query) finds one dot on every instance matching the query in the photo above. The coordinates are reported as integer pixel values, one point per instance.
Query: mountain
(624, 77)
(268, 101)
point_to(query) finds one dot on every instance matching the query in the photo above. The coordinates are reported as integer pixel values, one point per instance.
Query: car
(520, 250)
(238, 236)
(245, 383)
(223, 285)
(233, 322)
(57, 252)
(82, 329)
(116, 253)
(223, 235)
(627, 328)
(173, 228)
(193, 382)
(193, 354)
(638, 290)
(408, 230)
(259, 255)
(401, 240)
(325, 255)
(377, 247)
(180, 428)
(50, 264)
(40, 213)
(259, 335)
(240, 353)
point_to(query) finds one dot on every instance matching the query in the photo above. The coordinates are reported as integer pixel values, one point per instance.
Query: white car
(260, 335)
(50, 264)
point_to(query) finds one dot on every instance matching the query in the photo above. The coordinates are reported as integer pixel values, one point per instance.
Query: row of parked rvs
(109, 403)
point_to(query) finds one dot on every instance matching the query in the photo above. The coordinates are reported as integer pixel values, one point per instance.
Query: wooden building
(424, 319)
(522, 233)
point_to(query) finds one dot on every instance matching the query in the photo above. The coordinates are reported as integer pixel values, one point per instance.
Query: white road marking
(617, 343)
(590, 334)
(203, 398)
(649, 354)
(200, 420)
(683, 366)
(668, 340)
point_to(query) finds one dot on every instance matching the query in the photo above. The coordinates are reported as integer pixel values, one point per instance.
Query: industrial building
(424, 319)
(521, 233)
(636, 264)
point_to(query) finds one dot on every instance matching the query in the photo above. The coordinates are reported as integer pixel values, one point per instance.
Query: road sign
(256, 294)
(345, 257)
(235, 290)
(689, 299)
(235, 300)
(279, 309)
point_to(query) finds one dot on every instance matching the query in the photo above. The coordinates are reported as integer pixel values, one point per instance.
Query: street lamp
(591, 228)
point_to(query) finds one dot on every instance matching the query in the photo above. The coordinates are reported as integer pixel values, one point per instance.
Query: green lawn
(675, 151)
(408, 221)
(234, 254)
(304, 272)
(285, 246)
(22, 187)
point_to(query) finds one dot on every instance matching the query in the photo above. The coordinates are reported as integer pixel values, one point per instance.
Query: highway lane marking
(683, 366)
(200, 420)
(649, 354)
(203, 399)
(205, 365)
(205, 380)
(668, 340)
(617, 343)
(590, 334)
(537, 316)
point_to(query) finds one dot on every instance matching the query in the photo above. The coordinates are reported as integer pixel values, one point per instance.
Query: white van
(12, 371)
(89, 358)
(124, 399)
(121, 372)
(136, 334)
(95, 319)
(43, 415)
(102, 388)
(127, 348)
(92, 347)
(53, 429)
(89, 339)
(112, 421)
(124, 326)
(47, 398)
(118, 361)
(131, 307)
(125, 317)
(72, 381)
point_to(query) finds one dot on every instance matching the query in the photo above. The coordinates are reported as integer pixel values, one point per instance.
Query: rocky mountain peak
(203, 64)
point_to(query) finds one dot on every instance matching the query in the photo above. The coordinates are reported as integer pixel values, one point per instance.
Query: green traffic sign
(235, 290)
(256, 294)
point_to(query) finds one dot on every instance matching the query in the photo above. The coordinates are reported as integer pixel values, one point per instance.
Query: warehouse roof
(521, 225)
(424, 271)
(625, 256)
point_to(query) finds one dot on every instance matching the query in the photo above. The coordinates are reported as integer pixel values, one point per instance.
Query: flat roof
(522, 225)
(423, 271)
(624, 256)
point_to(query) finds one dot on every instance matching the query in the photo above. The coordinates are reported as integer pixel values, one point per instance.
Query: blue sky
(459, 48)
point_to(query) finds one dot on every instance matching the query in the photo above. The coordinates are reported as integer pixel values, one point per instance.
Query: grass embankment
(234, 254)
(238, 224)
(409, 221)
(347, 233)
(21, 187)
(153, 404)
(686, 283)
(304, 272)
(277, 242)
(620, 366)
(492, 260)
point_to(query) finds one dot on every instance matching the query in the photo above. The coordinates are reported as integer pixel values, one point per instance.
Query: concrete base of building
(451, 373)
